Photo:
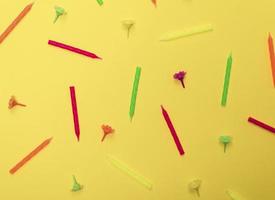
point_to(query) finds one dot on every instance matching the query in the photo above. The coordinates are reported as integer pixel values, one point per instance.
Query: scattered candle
(73, 49)
(186, 32)
(30, 155)
(15, 22)
(173, 131)
(226, 80)
(106, 130)
(134, 93)
(130, 172)
(59, 12)
(128, 24)
(13, 102)
(75, 112)
(225, 140)
(76, 185)
(195, 186)
(272, 56)
(180, 76)
(261, 124)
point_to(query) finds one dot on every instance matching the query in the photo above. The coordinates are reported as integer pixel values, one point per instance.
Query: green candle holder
(76, 185)
(59, 11)
(225, 140)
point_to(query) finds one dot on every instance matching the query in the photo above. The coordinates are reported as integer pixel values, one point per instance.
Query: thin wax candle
(30, 156)
(226, 81)
(130, 172)
(261, 124)
(73, 49)
(134, 93)
(172, 130)
(15, 22)
(272, 57)
(75, 112)
(186, 32)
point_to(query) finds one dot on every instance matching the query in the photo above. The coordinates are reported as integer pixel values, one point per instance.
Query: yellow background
(40, 75)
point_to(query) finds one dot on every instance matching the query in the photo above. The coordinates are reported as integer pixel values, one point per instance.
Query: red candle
(75, 112)
(261, 124)
(73, 49)
(272, 57)
(172, 130)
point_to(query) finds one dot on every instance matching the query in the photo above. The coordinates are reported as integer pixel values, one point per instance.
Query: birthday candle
(30, 155)
(272, 56)
(130, 172)
(73, 49)
(75, 112)
(261, 124)
(226, 80)
(15, 22)
(134, 92)
(172, 130)
(186, 32)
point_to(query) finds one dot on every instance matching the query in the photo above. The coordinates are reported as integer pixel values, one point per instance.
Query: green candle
(226, 80)
(134, 93)
(130, 172)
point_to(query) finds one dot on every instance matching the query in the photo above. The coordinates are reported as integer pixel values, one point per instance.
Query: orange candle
(15, 22)
(30, 155)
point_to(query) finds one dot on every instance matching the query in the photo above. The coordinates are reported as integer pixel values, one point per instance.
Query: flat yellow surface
(40, 75)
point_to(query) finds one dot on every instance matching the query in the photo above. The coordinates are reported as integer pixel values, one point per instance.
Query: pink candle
(172, 130)
(73, 49)
(261, 124)
(75, 113)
